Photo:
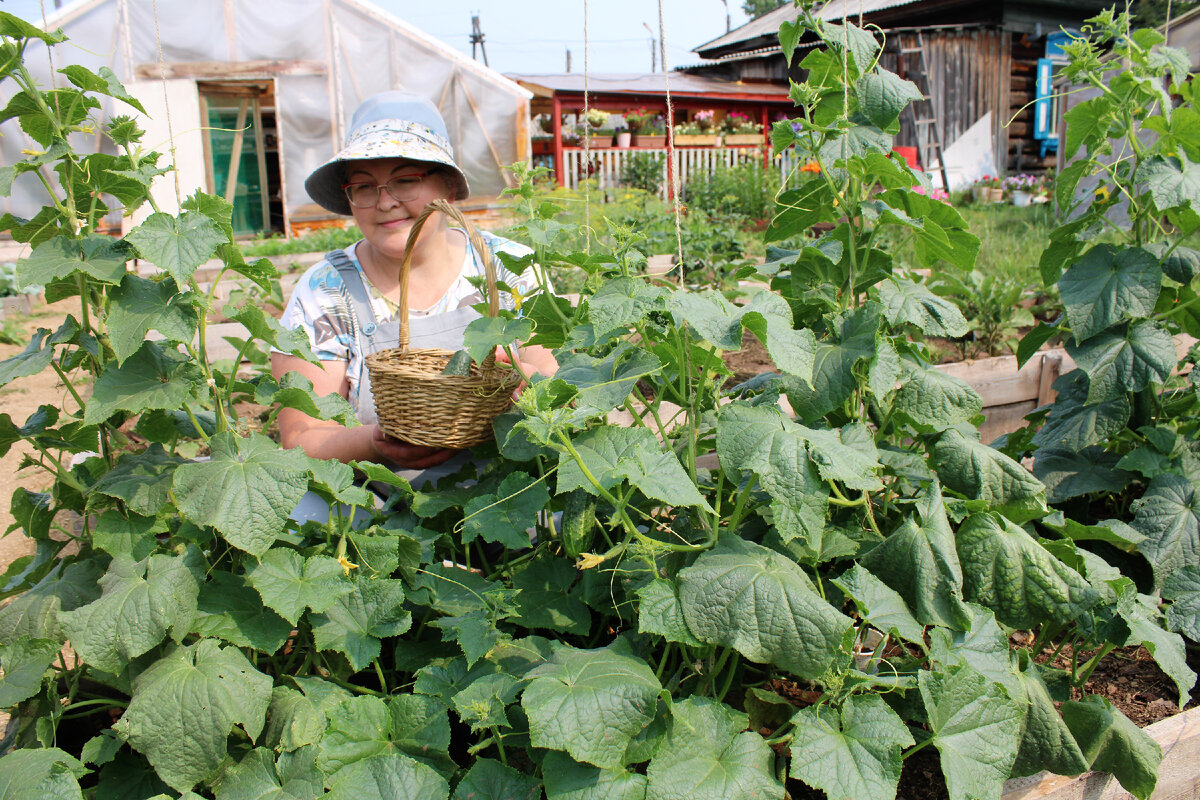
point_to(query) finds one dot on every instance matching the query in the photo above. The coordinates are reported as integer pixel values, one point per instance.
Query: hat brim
(324, 185)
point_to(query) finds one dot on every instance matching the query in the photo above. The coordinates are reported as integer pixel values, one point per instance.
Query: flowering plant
(739, 122)
(596, 118)
(691, 129)
(638, 118)
(1023, 183)
(990, 182)
(704, 120)
(934, 194)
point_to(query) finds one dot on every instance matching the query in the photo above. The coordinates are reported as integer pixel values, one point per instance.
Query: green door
(236, 158)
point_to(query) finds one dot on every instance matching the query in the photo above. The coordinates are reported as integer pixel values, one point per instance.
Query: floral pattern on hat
(386, 138)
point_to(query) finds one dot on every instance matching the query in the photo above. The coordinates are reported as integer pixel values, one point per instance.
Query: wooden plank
(998, 380)
(224, 70)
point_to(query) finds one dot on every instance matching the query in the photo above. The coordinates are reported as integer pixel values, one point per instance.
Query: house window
(1046, 109)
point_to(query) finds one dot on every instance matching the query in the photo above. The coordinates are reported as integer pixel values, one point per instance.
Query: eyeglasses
(402, 189)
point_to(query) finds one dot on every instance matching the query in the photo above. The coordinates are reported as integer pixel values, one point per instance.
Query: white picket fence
(608, 164)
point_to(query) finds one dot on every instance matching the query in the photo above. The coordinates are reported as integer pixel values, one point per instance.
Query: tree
(756, 8)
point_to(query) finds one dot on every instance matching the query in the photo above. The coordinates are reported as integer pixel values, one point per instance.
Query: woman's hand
(403, 454)
(534, 359)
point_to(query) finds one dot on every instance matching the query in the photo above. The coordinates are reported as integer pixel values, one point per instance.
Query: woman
(396, 160)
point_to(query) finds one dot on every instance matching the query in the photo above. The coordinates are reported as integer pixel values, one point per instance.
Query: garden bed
(1128, 678)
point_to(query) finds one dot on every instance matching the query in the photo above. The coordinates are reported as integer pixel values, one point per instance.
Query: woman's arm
(330, 439)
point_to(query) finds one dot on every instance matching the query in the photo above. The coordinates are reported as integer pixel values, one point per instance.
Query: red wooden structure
(561, 94)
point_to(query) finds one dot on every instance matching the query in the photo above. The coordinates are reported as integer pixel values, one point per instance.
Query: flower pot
(624, 138)
(994, 194)
(696, 139)
(598, 142)
(1021, 199)
(743, 139)
(650, 140)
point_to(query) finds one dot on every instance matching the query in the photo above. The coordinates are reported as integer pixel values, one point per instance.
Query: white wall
(175, 110)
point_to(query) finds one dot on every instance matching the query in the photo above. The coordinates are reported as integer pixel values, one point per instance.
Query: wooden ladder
(925, 121)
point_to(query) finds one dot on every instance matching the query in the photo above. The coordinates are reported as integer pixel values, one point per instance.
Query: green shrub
(644, 171)
(746, 190)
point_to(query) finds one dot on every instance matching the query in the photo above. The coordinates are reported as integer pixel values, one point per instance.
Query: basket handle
(481, 248)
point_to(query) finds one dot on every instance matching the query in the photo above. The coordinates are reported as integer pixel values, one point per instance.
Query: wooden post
(1051, 369)
(765, 117)
(524, 148)
(556, 132)
(671, 151)
(235, 157)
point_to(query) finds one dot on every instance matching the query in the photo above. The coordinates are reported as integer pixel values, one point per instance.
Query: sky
(532, 36)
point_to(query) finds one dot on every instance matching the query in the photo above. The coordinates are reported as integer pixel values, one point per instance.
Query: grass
(319, 241)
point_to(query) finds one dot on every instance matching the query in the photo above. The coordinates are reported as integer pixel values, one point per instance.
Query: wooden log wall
(1023, 150)
(968, 75)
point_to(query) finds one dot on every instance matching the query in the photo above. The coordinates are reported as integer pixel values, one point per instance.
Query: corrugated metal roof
(768, 24)
(651, 83)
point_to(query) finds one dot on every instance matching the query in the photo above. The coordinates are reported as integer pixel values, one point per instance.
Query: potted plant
(596, 118)
(590, 124)
(639, 119)
(622, 137)
(989, 189)
(653, 134)
(1022, 188)
(740, 129)
(698, 131)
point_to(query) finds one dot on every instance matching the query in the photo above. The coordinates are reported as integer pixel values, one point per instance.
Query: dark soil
(1132, 681)
(1128, 678)
(751, 360)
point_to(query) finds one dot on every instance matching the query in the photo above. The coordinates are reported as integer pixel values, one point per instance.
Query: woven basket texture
(414, 401)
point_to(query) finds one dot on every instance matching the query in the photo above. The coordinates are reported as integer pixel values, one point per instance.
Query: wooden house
(971, 58)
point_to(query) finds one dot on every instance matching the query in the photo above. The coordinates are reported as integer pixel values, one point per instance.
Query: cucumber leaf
(590, 703)
(141, 602)
(709, 755)
(853, 752)
(1111, 743)
(762, 604)
(567, 779)
(1006, 570)
(1168, 514)
(218, 687)
(976, 729)
(245, 491)
(1108, 285)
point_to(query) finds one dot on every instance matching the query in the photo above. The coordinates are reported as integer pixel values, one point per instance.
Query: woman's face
(387, 222)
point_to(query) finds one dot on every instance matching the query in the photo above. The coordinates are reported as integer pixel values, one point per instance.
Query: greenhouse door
(242, 152)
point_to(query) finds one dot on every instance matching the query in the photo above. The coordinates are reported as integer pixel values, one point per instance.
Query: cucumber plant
(857, 546)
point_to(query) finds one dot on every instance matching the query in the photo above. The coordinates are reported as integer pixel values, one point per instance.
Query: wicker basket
(414, 401)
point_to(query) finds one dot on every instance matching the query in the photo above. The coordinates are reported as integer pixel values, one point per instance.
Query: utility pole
(477, 39)
(653, 48)
(568, 59)
(728, 26)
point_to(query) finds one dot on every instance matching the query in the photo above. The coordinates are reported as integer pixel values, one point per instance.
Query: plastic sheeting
(351, 50)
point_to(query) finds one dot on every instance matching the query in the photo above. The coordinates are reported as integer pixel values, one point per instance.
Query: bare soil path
(19, 400)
